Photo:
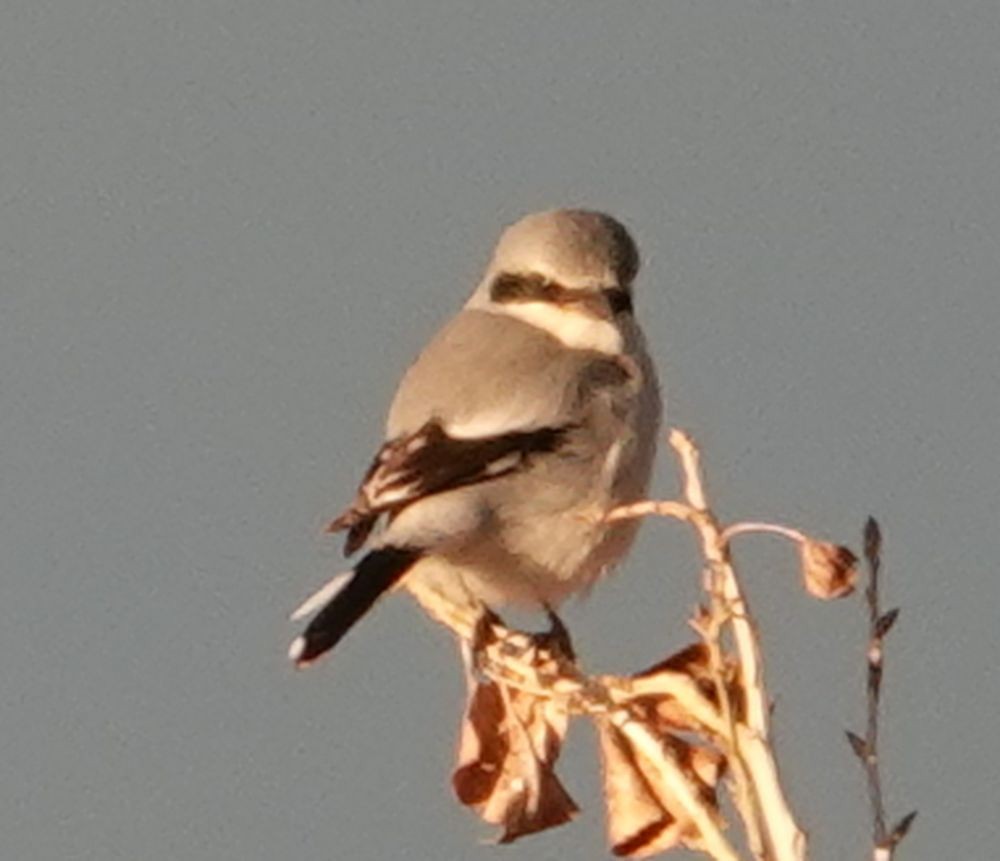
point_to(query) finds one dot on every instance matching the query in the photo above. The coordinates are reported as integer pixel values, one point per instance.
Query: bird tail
(378, 572)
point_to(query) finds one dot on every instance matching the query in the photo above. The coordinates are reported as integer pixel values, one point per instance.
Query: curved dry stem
(786, 839)
(747, 526)
(740, 729)
(759, 794)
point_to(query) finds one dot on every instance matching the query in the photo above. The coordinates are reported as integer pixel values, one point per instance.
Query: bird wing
(430, 461)
(487, 394)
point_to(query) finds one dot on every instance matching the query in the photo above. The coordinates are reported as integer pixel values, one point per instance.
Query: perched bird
(531, 414)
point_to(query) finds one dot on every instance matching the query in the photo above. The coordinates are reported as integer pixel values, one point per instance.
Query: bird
(529, 416)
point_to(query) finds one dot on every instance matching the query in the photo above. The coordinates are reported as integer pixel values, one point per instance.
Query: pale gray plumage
(529, 416)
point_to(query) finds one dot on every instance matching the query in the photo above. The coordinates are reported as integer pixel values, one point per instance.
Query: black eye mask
(609, 302)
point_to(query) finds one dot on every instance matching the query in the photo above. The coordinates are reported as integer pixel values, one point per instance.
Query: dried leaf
(692, 660)
(637, 823)
(644, 817)
(509, 744)
(828, 570)
(665, 712)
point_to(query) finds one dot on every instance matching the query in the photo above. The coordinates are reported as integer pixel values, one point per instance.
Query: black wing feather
(429, 461)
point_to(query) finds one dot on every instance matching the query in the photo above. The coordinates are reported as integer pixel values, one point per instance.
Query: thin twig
(866, 749)
(873, 541)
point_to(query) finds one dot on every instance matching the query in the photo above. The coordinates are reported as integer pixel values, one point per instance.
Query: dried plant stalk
(759, 793)
(550, 676)
(661, 786)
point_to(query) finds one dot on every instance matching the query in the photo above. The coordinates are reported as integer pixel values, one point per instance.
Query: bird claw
(557, 638)
(486, 632)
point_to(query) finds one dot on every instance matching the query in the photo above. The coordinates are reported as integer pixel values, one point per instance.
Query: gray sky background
(225, 228)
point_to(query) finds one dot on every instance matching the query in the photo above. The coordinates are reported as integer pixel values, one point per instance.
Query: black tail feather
(379, 571)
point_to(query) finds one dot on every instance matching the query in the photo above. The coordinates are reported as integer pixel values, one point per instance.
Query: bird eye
(506, 288)
(619, 300)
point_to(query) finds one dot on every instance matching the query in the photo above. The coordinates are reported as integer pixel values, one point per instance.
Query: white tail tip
(296, 649)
